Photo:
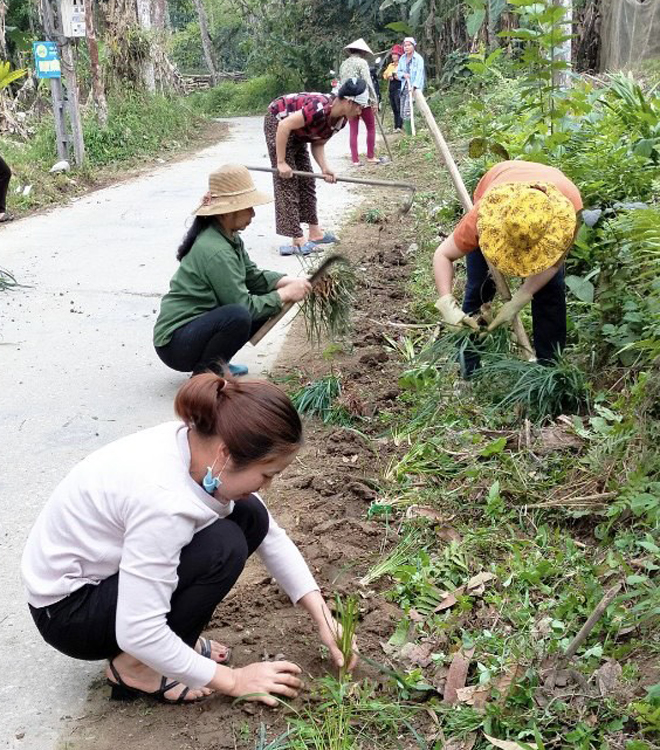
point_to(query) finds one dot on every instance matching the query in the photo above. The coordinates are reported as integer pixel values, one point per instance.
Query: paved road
(77, 370)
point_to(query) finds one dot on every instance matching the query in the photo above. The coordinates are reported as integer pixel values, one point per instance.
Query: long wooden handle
(354, 180)
(382, 132)
(271, 323)
(412, 111)
(500, 282)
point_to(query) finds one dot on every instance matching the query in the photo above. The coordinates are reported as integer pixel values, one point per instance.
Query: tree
(206, 39)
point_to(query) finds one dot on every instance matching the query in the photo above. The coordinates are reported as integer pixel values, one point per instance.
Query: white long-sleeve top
(130, 508)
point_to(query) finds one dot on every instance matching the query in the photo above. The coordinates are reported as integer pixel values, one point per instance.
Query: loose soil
(322, 500)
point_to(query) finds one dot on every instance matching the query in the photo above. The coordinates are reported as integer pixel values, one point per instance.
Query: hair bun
(222, 384)
(352, 87)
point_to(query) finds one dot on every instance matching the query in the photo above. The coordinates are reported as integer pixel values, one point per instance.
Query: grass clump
(318, 399)
(327, 309)
(541, 391)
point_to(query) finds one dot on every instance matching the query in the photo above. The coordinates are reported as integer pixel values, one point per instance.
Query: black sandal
(123, 692)
(205, 650)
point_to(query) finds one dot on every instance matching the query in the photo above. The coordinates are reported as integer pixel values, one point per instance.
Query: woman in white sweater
(141, 541)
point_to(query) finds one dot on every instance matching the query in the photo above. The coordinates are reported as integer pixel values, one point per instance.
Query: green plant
(326, 310)
(347, 613)
(318, 399)
(541, 390)
(8, 76)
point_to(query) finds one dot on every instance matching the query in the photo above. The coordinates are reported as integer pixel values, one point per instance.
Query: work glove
(510, 309)
(452, 314)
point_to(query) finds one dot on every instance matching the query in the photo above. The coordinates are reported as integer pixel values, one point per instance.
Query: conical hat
(360, 45)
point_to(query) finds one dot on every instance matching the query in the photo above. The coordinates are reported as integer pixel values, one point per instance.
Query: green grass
(140, 127)
(230, 98)
(318, 399)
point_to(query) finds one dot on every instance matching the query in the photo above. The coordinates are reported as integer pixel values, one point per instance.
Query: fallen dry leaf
(474, 695)
(457, 674)
(466, 744)
(449, 600)
(423, 511)
(418, 654)
(448, 534)
(477, 584)
(607, 677)
(508, 680)
(508, 744)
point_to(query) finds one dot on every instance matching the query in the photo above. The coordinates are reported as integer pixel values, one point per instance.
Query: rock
(60, 166)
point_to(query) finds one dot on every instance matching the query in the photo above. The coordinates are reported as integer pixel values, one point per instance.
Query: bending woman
(218, 297)
(145, 537)
(293, 121)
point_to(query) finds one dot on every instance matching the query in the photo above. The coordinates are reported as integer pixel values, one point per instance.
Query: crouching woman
(144, 538)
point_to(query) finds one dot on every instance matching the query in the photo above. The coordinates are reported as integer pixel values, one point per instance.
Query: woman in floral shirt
(293, 121)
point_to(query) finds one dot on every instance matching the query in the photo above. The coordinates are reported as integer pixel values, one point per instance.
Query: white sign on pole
(73, 18)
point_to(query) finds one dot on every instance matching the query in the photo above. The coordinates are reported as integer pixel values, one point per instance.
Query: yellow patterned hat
(524, 228)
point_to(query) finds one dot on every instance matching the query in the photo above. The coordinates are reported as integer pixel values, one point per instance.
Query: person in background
(390, 75)
(523, 222)
(218, 297)
(5, 176)
(142, 540)
(356, 66)
(293, 121)
(411, 74)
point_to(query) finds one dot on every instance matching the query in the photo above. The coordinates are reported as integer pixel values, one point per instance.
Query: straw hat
(525, 228)
(230, 189)
(360, 45)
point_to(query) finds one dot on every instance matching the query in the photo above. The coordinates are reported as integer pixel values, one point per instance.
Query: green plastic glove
(510, 309)
(452, 314)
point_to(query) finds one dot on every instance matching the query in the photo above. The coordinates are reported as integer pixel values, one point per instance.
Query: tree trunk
(148, 68)
(562, 78)
(3, 43)
(207, 45)
(97, 83)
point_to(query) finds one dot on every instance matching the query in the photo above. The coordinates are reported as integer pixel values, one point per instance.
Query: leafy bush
(240, 98)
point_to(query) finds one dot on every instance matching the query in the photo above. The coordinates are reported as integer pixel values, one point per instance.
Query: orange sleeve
(465, 234)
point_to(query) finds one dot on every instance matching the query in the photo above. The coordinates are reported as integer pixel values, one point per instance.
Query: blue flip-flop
(306, 249)
(327, 239)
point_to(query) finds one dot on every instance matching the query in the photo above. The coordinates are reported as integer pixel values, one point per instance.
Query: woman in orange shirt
(523, 221)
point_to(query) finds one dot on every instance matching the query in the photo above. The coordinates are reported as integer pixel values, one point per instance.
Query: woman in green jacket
(218, 297)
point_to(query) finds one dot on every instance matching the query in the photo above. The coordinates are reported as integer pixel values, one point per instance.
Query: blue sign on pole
(46, 60)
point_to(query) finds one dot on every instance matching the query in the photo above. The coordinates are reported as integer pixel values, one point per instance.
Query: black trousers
(209, 341)
(5, 176)
(82, 625)
(548, 308)
(395, 103)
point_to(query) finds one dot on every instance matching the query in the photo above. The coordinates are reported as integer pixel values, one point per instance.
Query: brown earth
(322, 500)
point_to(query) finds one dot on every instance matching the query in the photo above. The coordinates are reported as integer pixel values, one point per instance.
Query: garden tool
(500, 282)
(320, 272)
(405, 206)
(382, 132)
(412, 111)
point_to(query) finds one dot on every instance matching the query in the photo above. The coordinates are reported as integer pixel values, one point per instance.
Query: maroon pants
(295, 199)
(368, 117)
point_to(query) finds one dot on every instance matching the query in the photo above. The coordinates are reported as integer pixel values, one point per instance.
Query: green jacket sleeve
(227, 275)
(259, 281)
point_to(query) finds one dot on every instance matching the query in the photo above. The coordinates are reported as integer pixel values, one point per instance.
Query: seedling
(326, 310)
(347, 613)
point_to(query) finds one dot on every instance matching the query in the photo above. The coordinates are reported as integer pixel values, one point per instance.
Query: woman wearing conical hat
(356, 66)
(218, 297)
(523, 222)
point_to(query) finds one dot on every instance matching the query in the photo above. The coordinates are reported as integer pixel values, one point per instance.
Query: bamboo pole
(500, 282)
